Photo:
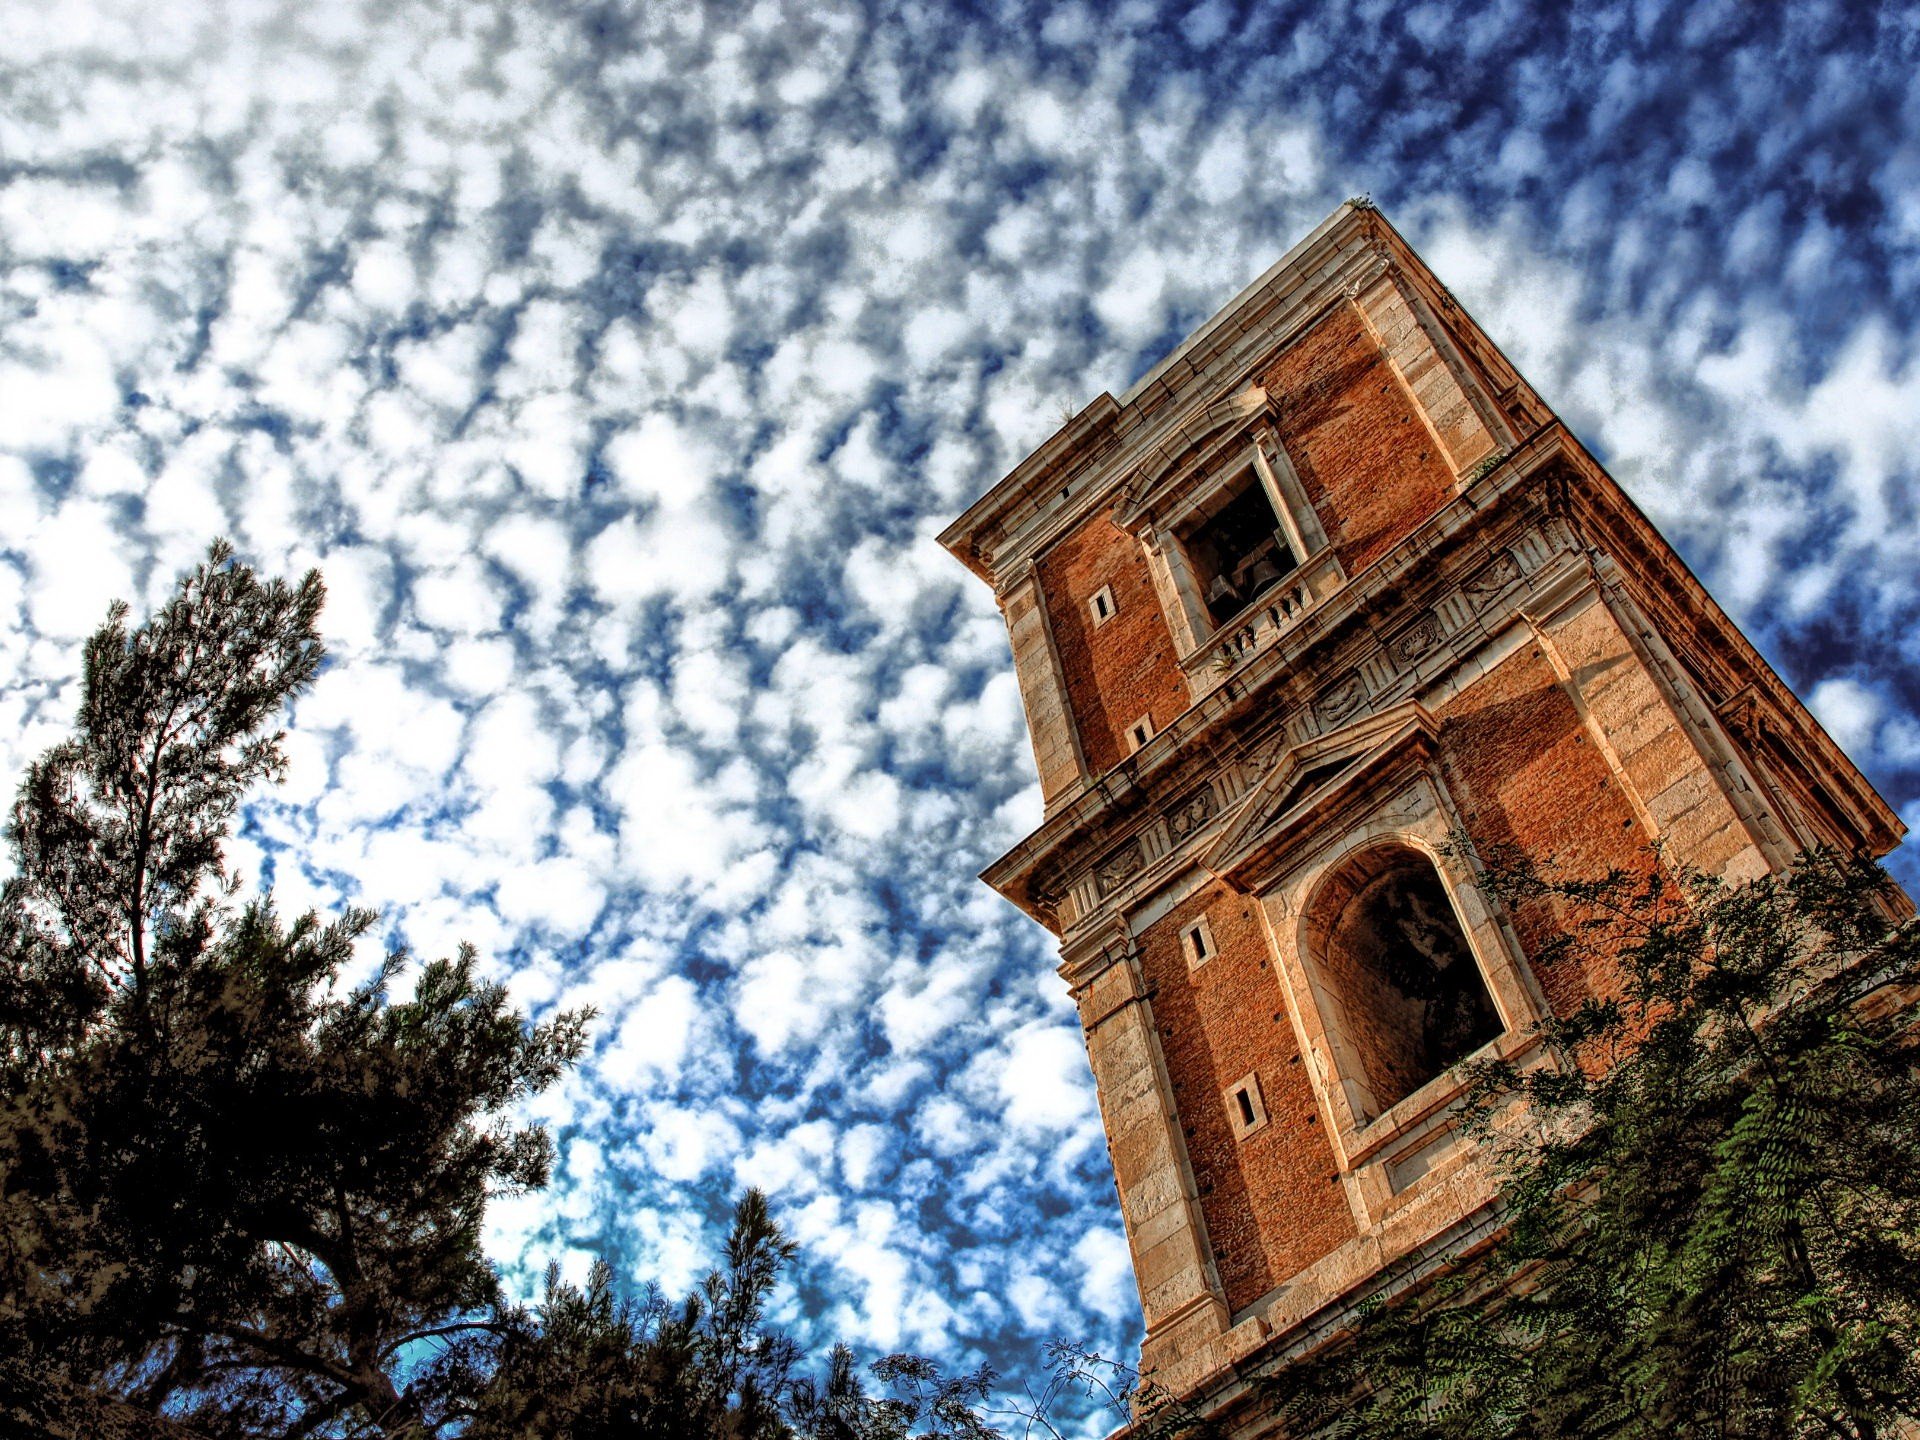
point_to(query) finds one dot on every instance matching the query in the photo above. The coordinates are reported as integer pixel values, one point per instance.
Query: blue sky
(617, 364)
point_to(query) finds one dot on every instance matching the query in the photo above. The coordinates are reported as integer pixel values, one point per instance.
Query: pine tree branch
(491, 1327)
(287, 1354)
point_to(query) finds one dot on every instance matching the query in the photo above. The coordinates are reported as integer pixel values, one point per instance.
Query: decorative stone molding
(1268, 817)
(1417, 639)
(1342, 701)
(1492, 578)
(1192, 813)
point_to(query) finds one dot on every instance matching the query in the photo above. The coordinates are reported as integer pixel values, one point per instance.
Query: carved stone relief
(1192, 813)
(1408, 807)
(1342, 701)
(1117, 867)
(1493, 577)
(1271, 754)
(1416, 640)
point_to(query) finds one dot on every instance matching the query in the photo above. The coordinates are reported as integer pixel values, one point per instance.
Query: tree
(1712, 1199)
(1134, 1407)
(239, 1199)
(230, 1195)
(588, 1365)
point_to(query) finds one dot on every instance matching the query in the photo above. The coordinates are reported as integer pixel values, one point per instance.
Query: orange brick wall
(1272, 1202)
(1126, 668)
(1526, 774)
(1369, 464)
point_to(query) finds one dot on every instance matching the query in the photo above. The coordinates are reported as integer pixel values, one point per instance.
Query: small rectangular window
(1197, 941)
(1139, 733)
(1102, 605)
(1246, 1109)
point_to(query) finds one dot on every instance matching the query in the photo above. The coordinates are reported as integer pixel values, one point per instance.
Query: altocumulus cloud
(617, 364)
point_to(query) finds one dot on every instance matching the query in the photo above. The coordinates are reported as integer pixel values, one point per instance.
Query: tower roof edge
(1222, 319)
(1027, 490)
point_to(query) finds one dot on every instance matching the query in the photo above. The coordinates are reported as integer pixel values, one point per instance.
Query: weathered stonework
(1477, 636)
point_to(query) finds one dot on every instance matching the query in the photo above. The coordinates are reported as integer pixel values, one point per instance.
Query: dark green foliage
(242, 1198)
(116, 832)
(231, 1193)
(1712, 1198)
(588, 1365)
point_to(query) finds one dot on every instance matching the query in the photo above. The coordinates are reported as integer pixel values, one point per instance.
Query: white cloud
(1103, 1258)
(711, 736)
(77, 570)
(656, 460)
(1850, 711)
(1130, 301)
(685, 1144)
(1038, 1073)
(652, 1037)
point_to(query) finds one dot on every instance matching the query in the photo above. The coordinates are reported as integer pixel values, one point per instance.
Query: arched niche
(1403, 997)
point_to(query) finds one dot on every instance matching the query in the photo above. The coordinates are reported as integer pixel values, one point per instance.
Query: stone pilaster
(1043, 690)
(1682, 793)
(1180, 1292)
(1437, 389)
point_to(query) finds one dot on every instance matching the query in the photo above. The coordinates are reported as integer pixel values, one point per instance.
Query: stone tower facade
(1329, 586)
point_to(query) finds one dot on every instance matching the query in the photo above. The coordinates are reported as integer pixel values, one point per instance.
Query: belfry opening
(1406, 998)
(1238, 550)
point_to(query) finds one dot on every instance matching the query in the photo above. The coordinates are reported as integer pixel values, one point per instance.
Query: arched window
(1403, 995)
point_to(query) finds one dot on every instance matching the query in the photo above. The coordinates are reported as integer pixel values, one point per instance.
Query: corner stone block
(1686, 790)
(1157, 1228)
(1661, 756)
(1134, 1155)
(1157, 1189)
(1172, 1267)
(1043, 694)
(1137, 1097)
(1119, 1052)
(1185, 1350)
(1652, 753)
(1466, 439)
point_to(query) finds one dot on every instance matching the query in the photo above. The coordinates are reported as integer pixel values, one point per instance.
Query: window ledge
(1406, 1118)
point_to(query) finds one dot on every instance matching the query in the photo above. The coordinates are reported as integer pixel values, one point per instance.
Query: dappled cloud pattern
(617, 365)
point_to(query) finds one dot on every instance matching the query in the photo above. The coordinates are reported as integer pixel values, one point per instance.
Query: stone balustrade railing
(1271, 615)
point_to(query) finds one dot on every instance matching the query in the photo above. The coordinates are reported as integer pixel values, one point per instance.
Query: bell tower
(1327, 588)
